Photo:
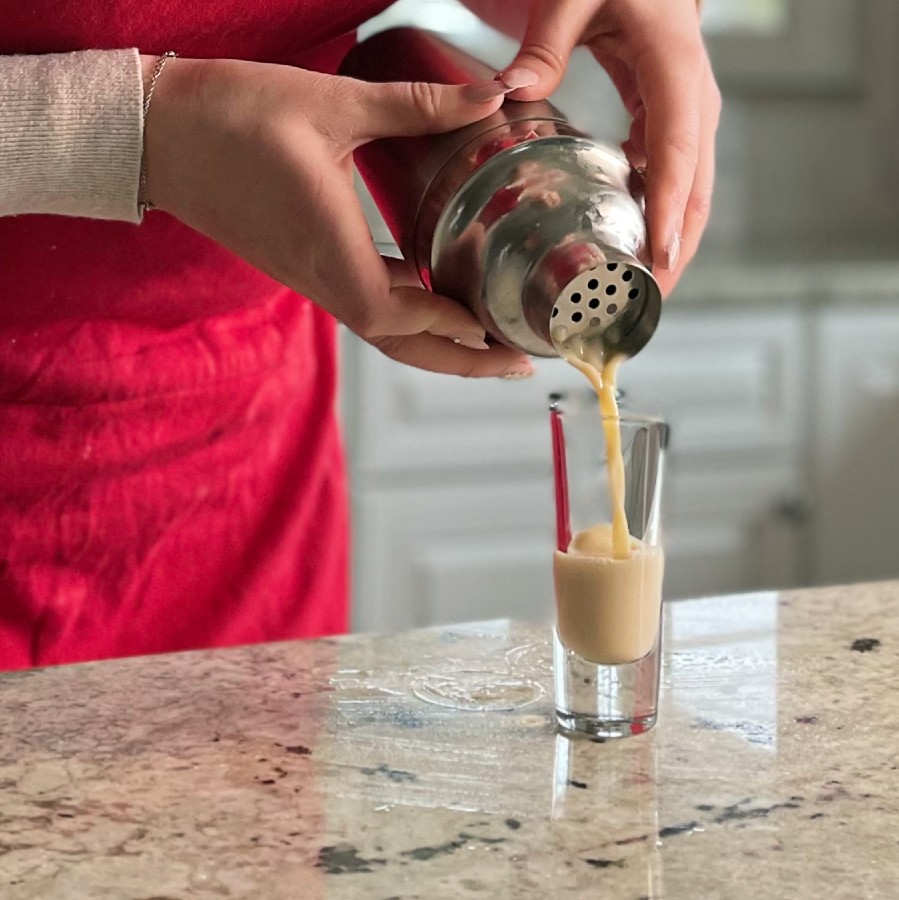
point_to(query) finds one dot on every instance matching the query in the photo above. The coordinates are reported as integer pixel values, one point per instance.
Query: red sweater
(171, 474)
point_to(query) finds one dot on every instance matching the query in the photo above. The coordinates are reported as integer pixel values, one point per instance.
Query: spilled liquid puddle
(476, 691)
(531, 659)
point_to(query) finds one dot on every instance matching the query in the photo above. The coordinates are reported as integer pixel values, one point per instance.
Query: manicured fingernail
(518, 78)
(482, 91)
(472, 341)
(672, 252)
(520, 370)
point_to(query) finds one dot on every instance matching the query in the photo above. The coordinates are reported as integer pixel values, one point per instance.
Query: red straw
(560, 471)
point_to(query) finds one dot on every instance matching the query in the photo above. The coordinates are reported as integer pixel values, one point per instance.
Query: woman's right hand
(259, 158)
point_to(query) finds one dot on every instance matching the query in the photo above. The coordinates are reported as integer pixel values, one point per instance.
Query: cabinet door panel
(857, 446)
(726, 381)
(406, 420)
(720, 555)
(452, 553)
(729, 533)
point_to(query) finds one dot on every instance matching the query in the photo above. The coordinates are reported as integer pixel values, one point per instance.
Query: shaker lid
(616, 302)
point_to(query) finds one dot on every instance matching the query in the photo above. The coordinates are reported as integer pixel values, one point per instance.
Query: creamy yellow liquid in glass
(607, 609)
(608, 584)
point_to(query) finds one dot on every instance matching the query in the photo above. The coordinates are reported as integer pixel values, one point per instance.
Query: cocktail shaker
(535, 226)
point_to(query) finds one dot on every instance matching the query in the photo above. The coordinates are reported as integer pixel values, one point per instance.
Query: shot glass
(607, 639)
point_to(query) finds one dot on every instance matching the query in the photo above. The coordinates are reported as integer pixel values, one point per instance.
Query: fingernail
(473, 342)
(482, 91)
(518, 77)
(521, 370)
(673, 252)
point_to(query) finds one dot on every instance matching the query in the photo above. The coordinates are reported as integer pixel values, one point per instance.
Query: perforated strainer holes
(596, 298)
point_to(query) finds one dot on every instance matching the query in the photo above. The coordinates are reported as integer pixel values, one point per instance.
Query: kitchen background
(776, 362)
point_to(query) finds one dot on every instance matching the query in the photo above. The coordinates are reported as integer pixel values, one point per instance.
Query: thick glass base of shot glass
(601, 702)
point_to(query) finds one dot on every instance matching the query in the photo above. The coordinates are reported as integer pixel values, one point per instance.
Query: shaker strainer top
(617, 301)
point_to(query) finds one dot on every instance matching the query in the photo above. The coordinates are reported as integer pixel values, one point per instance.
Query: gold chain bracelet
(143, 204)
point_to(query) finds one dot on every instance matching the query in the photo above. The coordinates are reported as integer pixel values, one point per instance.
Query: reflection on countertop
(425, 764)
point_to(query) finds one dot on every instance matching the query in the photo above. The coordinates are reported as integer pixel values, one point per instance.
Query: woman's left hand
(654, 53)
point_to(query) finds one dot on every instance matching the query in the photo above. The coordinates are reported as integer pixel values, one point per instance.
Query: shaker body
(521, 217)
(400, 172)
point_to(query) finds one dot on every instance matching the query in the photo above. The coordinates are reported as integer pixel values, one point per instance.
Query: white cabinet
(452, 495)
(452, 551)
(856, 533)
(734, 528)
(728, 381)
(408, 423)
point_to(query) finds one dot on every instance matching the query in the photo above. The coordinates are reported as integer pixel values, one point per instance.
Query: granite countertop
(326, 769)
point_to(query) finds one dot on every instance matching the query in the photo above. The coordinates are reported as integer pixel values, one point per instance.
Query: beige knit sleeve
(71, 134)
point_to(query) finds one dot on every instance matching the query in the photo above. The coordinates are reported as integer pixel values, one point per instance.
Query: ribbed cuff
(71, 134)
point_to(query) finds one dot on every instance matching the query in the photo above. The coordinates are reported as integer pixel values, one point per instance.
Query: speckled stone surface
(315, 771)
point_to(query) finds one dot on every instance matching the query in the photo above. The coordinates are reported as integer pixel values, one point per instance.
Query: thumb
(554, 29)
(407, 108)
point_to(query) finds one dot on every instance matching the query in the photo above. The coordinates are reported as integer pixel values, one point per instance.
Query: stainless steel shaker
(530, 223)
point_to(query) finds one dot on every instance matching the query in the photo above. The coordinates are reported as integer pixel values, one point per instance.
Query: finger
(699, 203)
(635, 146)
(670, 80)
(427, 351)
(356, 284)
(555, 28)
(407, 108)
(402, 272)
(413, 310)
(375, 298)
(622, 76)
(442, 319)
(416, 309)
(349, 275)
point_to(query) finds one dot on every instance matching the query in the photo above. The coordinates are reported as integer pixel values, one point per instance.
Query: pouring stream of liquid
(589, 359)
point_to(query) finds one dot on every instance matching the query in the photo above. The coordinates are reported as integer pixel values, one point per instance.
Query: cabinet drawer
(725, 381)
(401, 419)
